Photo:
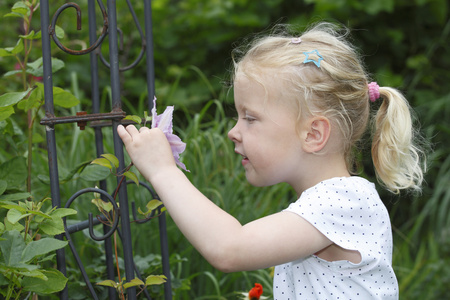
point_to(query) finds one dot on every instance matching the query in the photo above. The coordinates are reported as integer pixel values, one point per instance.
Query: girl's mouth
(244, 158)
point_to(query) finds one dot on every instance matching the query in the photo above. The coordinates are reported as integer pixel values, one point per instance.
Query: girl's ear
(318, 131)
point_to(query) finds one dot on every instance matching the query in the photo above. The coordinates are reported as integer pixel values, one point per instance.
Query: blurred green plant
(28, 227)
(24, 248)
(111, 162)
(405, 45)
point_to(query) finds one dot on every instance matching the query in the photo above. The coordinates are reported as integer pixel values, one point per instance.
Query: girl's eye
(249, 119)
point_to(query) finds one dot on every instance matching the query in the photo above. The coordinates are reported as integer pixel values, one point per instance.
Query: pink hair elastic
(296, 40)
(374, 91)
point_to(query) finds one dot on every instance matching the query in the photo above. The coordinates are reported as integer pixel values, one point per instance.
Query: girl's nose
(233, 134)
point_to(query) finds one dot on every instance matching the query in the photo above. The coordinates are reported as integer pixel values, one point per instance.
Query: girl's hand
(148, 149)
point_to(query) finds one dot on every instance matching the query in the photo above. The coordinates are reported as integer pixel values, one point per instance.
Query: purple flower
(164, 122)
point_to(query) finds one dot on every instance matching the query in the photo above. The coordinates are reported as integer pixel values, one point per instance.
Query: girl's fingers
(132, 130)
(126, 134)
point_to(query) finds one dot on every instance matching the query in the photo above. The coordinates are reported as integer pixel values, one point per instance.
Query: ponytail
(396, 157)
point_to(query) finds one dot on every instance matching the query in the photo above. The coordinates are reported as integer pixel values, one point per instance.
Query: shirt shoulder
(347, 210)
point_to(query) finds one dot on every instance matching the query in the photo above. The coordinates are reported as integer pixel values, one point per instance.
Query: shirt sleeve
(351, 215)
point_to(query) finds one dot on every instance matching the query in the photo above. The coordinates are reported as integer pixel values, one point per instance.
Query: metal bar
(50, 131)
(85, 224)
(163, 240)
(81, 267)
(118, 114)
(150, 64)
(138, 274)
(141, 53)
(118, 149)
(95, 94)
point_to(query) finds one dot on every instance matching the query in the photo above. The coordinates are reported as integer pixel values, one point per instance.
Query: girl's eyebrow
(240, 107)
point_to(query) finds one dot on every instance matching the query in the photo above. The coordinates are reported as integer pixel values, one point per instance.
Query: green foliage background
(405, 45)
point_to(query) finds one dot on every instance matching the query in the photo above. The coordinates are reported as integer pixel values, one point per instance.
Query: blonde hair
(338, 89)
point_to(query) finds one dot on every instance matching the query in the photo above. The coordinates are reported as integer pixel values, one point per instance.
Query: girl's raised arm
(218, 236)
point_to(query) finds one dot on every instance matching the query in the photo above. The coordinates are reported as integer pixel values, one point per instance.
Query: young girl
(303, 103)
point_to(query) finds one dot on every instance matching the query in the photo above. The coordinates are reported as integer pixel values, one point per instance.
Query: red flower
(255, 292)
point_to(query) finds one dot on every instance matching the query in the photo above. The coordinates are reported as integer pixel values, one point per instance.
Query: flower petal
(175, 143)
(164, 122)
(154, 115)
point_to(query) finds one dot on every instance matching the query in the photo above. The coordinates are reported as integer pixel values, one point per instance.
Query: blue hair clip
(316, 62)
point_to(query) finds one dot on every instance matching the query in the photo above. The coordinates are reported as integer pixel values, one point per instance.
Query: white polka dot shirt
(350, 213)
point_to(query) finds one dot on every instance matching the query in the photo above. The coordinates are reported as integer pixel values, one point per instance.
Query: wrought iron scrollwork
(115, 212)
(52, 28)
(90, 224)
(111, 119)
(154, 213)
(143, 43)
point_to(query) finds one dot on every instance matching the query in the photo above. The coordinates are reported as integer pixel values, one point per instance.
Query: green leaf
(9, 99)
(11, 51)
(71, 174)
(133, 118)
(153, 204)
(55, 283)
(155, 279)
(3, 186)
(29, 36)
(13, 14)
(21, 8)
(36, 68)
(63, 212)
(112, 158)
(41, 247)
(59, 32)
(39, 213)
(12, 73)
(130, 175)
(15, 196)
(147, 118)
(14, 206)
(12, 247)
(64, 98)
(32, 35)
(14, 172)
(133, 282)
(110, 283)
(35, 99)
(5, 112)
(94, 173)
(102, 205)
(52, 226)
(102, 162)
(33, 273)
(14, 215)
(10, 227)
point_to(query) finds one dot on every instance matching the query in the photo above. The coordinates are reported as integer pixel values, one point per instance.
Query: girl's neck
(320, 168)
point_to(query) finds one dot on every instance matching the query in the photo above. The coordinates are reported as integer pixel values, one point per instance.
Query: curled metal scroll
(52, 27)
(133, 205)
(143, 43)
(91, 220)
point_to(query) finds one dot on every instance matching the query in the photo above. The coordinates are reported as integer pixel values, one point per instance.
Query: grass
(421, 224)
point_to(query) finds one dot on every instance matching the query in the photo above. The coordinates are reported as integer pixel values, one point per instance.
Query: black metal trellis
(98, 120)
